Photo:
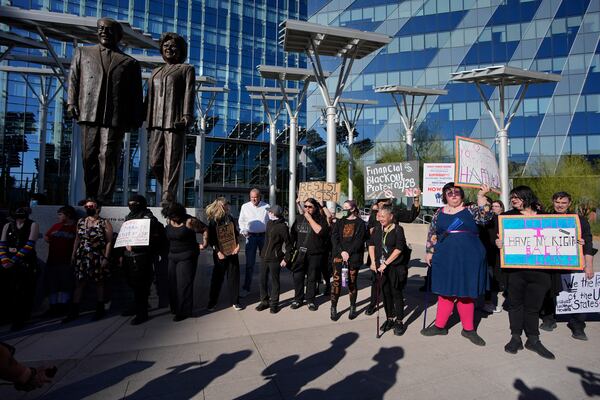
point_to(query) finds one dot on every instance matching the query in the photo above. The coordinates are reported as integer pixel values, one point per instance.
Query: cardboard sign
(475, 165)
(226, 238)
(579, 295)
(541, 242)
(135, 232)
(435, 176)
(391, 180)
(319, 190)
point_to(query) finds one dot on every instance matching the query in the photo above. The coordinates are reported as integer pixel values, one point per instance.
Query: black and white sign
(391, 180)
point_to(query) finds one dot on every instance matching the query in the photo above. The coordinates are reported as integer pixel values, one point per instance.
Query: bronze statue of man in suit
(106, 98)
(170, 111)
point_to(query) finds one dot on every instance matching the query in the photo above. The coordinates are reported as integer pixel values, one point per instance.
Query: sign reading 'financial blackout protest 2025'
(392, 180)
(135, 232)
(579, 295)
(435, 176)
(476, 165)
(541, 242)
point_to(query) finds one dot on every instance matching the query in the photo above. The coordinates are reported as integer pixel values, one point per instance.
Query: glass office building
(433, 38)
(227, 40)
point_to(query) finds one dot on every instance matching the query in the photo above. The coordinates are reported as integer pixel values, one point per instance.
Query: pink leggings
(466, 311)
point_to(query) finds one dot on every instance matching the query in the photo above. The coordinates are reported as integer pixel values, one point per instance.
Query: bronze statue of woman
(170, 111)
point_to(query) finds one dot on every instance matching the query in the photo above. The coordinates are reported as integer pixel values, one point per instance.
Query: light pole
(282, 74)
(321, 40)
(501, 77)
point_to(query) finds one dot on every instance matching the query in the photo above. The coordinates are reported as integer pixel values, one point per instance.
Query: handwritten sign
(226, 238)
(435, 176)
(475, 165)
(579, 295)
(135, 232)
(391, 180)
(319, 190)
(541, 242)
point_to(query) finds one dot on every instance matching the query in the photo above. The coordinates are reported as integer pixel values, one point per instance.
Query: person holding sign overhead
(526, 287)
(457, 259)
(183, 259)
(223, 234)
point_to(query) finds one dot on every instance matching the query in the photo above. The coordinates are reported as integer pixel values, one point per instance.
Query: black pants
(526, 291)
(182, 270)
(20, 284)
(101, 156)
(272, 268)
(392, 285)
(309, 268)
(139, 272)
(548, 312)
(230, 265)
(336, 284)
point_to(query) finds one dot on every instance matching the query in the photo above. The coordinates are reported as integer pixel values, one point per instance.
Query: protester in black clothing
(19, 264)
(561, 203)
(138, 261)
(226, 247)
(183, 259)
(386, 248)
(348, 242)
(310, 234)
(404, 216)
(275, 255)
(487, 235)
(526, 287)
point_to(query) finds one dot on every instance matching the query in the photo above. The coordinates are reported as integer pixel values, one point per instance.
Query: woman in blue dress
(457, 259)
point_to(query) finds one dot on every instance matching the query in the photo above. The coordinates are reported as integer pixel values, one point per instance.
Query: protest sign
(579, 295)
(475, 165)
(226, 238)
(435, 176)
(391, 180)
(319, 190)
(135, 232)
(541, 242)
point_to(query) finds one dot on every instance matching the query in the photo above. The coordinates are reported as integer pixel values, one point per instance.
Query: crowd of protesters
(462, 252)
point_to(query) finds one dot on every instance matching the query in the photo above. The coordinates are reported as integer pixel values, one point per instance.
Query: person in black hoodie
(386, 247)
(348, 242)
(310, 234)
(138, 261)
(274, 258)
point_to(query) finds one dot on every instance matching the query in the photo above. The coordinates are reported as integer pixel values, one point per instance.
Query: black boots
(333, 315)
(100, 312)
(353, 314)
(473, 337)
(73, 313)
(533, 343)
(514, 345)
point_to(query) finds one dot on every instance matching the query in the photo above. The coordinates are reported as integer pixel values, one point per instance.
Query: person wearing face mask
(457, 259)
(226, 259)
(526, 287)
(138, 261)
(348, 247)
(19, 262)
(275, 255)
(310, 235)
(91, 255)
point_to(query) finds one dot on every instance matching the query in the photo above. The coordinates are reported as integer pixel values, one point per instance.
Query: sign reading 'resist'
(391, 180)
(541, 242)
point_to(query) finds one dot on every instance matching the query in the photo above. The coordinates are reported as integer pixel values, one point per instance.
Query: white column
(331, 153)
(272, 163)
(42, 153)
(503, 151)
(199, 157)
(293, 165)
(350, 165)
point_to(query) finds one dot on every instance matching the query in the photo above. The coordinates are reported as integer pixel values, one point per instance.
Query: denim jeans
(255, 242)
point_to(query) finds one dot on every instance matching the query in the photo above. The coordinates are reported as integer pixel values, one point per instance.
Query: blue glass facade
(227, 40)
(434, 38)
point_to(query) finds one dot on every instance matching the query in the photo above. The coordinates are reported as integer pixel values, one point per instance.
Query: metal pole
(126, 155)
(143, 168)
(293, 166)
(272, 163)
(409, 143)
(331, 153)
(42, 152)
(199, 155)
(503, 150)
(350, 164)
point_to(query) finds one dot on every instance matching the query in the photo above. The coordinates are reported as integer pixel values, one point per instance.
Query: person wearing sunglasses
(457, 259)
(310, 234)
(91, 255)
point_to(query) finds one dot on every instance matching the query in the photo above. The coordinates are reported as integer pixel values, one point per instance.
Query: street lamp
(502, 76)
(321, 40)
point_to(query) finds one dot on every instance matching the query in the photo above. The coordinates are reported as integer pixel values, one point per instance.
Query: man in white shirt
(253, 224)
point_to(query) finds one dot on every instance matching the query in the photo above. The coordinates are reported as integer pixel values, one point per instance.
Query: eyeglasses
(89, 207)
(453, 192)
(133, 203)
(309, 206)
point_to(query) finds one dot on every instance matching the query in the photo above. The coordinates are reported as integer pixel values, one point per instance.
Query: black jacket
(349, 236)
(158, 238)
(315, 243)
(277, 235)
(394, 239)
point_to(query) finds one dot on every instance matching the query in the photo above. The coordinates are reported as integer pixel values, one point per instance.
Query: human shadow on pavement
(187, 380)
(98, 382)
(371, 384)
(526, 393)
(590, 381)
(290, 375)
